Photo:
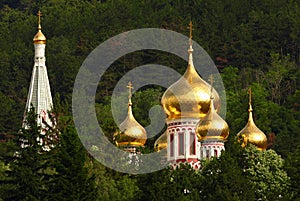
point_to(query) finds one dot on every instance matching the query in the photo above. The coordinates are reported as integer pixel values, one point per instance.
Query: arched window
(172, 145)
(192, 144)
(207, 153)
(215, 153)
(181, 143)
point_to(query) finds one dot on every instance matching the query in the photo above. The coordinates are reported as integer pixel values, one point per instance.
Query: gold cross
(39, 14)
(250, 95)
(191, 29)
(130, 87)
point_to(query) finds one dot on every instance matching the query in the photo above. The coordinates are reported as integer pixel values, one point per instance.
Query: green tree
(265, 170)
(112, 185)
(4, 180)
(291, 165)
(285, 124)
(70, 177)
(183, 183)
(9, 116)
(28, 171)
(224, 179)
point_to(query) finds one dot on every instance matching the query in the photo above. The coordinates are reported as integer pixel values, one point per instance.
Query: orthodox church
(194, 131)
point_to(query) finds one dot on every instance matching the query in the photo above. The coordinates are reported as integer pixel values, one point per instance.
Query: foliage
(246, 174)
(224, 179)
(28, 172)
(266, 173)
(179, 184)
(70, 176)
(253, 43)
(291, 166)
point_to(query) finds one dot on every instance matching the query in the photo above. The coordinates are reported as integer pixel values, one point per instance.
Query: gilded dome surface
(212, 126)
(161, 142)
(131, 132)
(189, 96)
(39, 38)
(251, 134)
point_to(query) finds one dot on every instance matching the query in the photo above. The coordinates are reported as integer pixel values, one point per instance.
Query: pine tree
(71, 180)
(27, 173)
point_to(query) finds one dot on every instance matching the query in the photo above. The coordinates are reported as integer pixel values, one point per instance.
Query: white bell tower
(39, 94)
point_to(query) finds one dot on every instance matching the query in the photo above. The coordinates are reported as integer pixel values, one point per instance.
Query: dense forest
(253, 44)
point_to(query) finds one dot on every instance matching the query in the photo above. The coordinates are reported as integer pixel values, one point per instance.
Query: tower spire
(39, 94)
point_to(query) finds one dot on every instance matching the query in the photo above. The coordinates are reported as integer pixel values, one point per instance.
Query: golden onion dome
(250, 133)
(190, 95)
(212, 126)
(161, 142)
(131, 132)
(39, 37)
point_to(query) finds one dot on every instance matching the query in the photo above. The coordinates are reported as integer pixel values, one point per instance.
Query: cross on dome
(130, 87)
(190, 27)
(250, 100)
(190, 50)
(39, 14)
(250, 95)
(39, 37)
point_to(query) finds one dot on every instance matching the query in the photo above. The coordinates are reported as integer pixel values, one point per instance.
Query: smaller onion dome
(161, 142)
(39, 37)
(250, 133)
(212, 126)
(131, 132)
(189, 97)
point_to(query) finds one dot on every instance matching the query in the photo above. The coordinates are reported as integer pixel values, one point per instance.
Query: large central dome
(189, 97)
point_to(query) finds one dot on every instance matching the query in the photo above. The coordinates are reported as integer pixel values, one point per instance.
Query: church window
(172, 145)
(216, 153)
(207, 154)
(192, 144)
(181, 144)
